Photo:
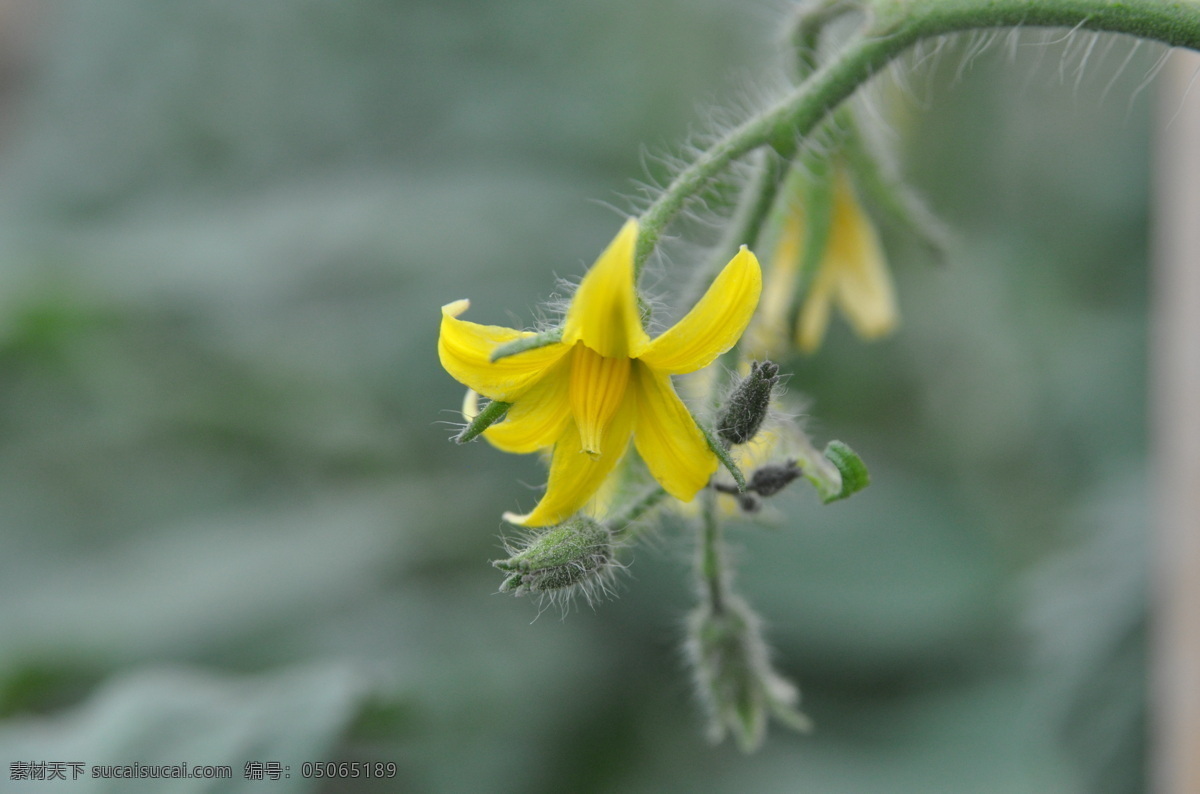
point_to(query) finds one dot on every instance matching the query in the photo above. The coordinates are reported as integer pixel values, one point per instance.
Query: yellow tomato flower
(852, 274)
(605, 381)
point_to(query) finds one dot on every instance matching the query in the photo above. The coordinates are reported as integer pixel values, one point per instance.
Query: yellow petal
(464, 347)
(714, 324)
(574, 475)
(667, 437)
(604, 312)
(598, 387)
(539, 417)
(864, 287)
(601, 505)
(814, 313)
(768, 333)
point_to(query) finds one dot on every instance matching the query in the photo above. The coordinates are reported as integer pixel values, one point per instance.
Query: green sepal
(747, 717)
(526, 343)
(854, 472)
(816, 193)
(790, 716)
(511, 583)
(723, 455)
(889, 195)
(491, 414)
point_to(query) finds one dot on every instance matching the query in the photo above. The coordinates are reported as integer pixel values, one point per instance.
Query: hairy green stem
(758, 197)
(493, 413)
(807, 30)
(622, 523)
(815, 174)
(711, 560)
(890, 28)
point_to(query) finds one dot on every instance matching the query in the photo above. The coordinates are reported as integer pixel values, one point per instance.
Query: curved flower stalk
(604, 381)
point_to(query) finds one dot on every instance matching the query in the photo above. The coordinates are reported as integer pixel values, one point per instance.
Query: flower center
(598, 384)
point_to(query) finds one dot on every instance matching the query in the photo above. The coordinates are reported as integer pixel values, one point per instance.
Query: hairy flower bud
(577, 552)
(733, 675)
(743, 415)
(771, 479)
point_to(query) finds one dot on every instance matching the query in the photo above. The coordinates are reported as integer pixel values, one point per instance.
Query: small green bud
(577, 553)
(743, 415)
(733, 675)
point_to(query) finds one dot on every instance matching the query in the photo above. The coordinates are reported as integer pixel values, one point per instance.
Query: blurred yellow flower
(852, 275)
(605, 381)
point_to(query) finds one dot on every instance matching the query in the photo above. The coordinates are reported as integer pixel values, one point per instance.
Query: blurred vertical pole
(1175, 403)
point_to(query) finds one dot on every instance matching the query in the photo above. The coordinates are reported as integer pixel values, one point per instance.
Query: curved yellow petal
(539, 417)
(464, 347)
(714, 324)
(814, 312)
(667, 437)
(575, 476)
(604, 311)
(769, 333)
(853, 273)
(781, 276)
(598, 387)
(864, 287)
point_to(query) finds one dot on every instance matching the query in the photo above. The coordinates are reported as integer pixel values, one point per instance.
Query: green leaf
(854, 472)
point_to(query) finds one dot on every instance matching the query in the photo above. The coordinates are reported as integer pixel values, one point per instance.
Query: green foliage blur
(231, 526)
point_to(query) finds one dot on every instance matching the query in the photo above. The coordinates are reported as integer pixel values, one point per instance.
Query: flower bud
(743, 415)
(577, 552)
(771, 479)
(733, 675)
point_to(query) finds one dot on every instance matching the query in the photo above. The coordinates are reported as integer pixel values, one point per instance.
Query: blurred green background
(232, 528)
